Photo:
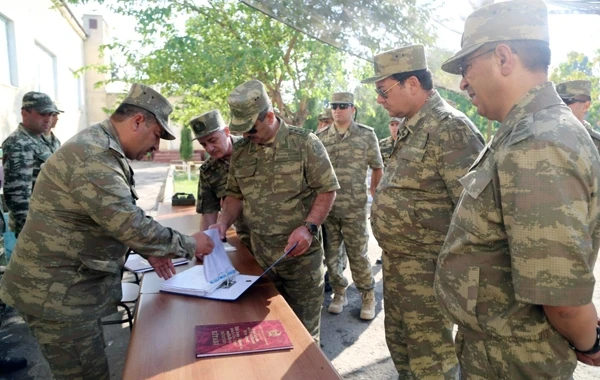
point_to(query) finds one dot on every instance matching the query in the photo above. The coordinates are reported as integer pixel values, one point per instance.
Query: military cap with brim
(396, 119)
(342, 98)
(326, 114)
(506, 21)
(575, 88)
(58, 111)
(246, 102)
(147, 98)
(39, 102)
(207, 123)
(402, 60)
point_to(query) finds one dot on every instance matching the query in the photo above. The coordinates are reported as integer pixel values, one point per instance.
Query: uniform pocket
(411, 153)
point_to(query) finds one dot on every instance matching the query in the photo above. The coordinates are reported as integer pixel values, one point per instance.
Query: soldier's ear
(226, 130)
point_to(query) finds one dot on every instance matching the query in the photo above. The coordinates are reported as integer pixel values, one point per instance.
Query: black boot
(327, 285)
(8, 365)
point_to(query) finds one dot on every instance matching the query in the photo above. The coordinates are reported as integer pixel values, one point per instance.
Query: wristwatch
(595, 348)
(312, 228)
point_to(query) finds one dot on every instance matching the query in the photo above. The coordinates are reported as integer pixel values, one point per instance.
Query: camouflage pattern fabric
(74, 350)
(52, 141)
(23, 156)
(351, 155)
(410, 217)
(342, 97)
(278, 185)
(246, 102)
(386, 146)
(149, 99)
(298, 279)
(526, 233)
(402, 60)
(82, 219)
(211, 191)
(573, 88)
(595, 135)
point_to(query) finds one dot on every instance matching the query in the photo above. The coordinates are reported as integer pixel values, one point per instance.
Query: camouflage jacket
(593, 134)
(22, 157)
(67, 263)
(350, 157)
(279, 183)
(526, 231)
(52, 142)
(212, 183)
(386, 146)
(420, 186)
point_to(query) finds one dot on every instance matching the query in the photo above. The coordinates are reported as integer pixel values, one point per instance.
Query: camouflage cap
(57, 110)
(39, 102)
(207, 123)
(506, 21)
(342, 97)
(326, 114)
(396, 119)
(145, 97)
(402, 60)
(246, 102)
(573, 88)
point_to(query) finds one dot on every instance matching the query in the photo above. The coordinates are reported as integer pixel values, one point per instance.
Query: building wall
(45, 47)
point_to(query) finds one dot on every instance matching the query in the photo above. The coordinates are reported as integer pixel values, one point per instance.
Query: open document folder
(216, 279)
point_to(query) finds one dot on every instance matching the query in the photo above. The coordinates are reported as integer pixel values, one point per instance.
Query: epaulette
(443, 111)
(298, 130)
(205, 166)
(323, 130)
(365, 127)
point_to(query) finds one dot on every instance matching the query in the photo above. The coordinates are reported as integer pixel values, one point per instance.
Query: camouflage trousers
(298, 279)
(243, 232)
(417, 334)
(351, 233)
(484, 357)
(74, 350)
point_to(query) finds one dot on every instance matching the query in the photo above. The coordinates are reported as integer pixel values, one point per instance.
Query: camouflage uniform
(580, 90)
(351, 155)
(52, 141)
(65, 271)
(410, 217)
(213, 174)
(278, 185)
(386, 146)
(526, 231)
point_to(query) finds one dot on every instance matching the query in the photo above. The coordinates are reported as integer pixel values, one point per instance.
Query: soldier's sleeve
(233, 189)
(18, 179)
(545, 205)
(458, 146)
(374, 159)
(319, 172)
(100, 187)
(207, 202)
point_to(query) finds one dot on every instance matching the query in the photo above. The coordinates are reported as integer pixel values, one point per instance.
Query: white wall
(37, 29)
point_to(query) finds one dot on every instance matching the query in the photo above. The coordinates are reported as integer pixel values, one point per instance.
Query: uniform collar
(414, 122)
(113, 138)
(25, 131)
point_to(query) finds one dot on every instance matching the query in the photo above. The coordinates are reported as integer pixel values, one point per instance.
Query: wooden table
(162, 342)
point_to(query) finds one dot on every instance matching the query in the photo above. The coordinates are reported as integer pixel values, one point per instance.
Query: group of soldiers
(498, 239)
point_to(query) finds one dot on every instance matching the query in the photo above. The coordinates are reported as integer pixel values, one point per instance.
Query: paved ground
(356, 348)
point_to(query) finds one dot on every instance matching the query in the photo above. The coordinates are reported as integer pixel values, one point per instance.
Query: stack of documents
(136, 263)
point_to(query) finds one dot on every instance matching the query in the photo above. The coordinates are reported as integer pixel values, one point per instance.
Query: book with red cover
(241, 338)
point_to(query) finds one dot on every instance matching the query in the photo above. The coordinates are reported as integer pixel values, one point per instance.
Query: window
(93, 23)
(75, 94)
(8, 68)
(45, 71)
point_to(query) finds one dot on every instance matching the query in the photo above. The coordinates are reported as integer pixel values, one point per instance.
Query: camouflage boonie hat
(506, 21)
(397, 119)
(575, 88)
(246, 102)
(145, 97)
(39, 102)
(342, 97)
(402, 60)
(207, 123)
(326, 114)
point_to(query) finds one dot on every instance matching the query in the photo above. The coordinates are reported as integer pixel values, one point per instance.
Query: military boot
(339, 301)
(367, 310)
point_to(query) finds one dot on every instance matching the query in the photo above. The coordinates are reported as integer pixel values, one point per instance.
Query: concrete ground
(356, 348)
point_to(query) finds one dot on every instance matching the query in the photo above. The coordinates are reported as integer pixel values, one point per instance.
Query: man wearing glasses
(282, 177)
(412, 208)
(352, 149)
(516, 270)
(577, 94)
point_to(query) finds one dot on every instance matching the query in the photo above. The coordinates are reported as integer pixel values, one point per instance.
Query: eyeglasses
(569, 101)
(383, 93)
(341, 106)
(465, 65)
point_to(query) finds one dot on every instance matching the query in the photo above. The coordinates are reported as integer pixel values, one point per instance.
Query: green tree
(186, 150)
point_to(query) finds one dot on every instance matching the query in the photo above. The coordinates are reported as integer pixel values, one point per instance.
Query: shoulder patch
(298, 131)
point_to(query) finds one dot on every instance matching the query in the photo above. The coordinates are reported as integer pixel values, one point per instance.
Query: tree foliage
(186, 149)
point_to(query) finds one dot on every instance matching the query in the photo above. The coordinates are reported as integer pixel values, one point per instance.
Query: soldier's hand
(204, 245)
(163, 266)
(302, 236)
(221, 227)
(593, 360)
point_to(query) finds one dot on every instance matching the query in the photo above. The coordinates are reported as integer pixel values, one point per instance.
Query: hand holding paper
(204, 244)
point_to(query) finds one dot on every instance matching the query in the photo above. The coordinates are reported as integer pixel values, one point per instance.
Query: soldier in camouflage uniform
(386, 145)
(65, 271)
(577, 94)
(325, 118)
(49, 138)
(282, 177)
(212, 133)
(352, 149)
(516, 270)
(24, 152)
(411, 211)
